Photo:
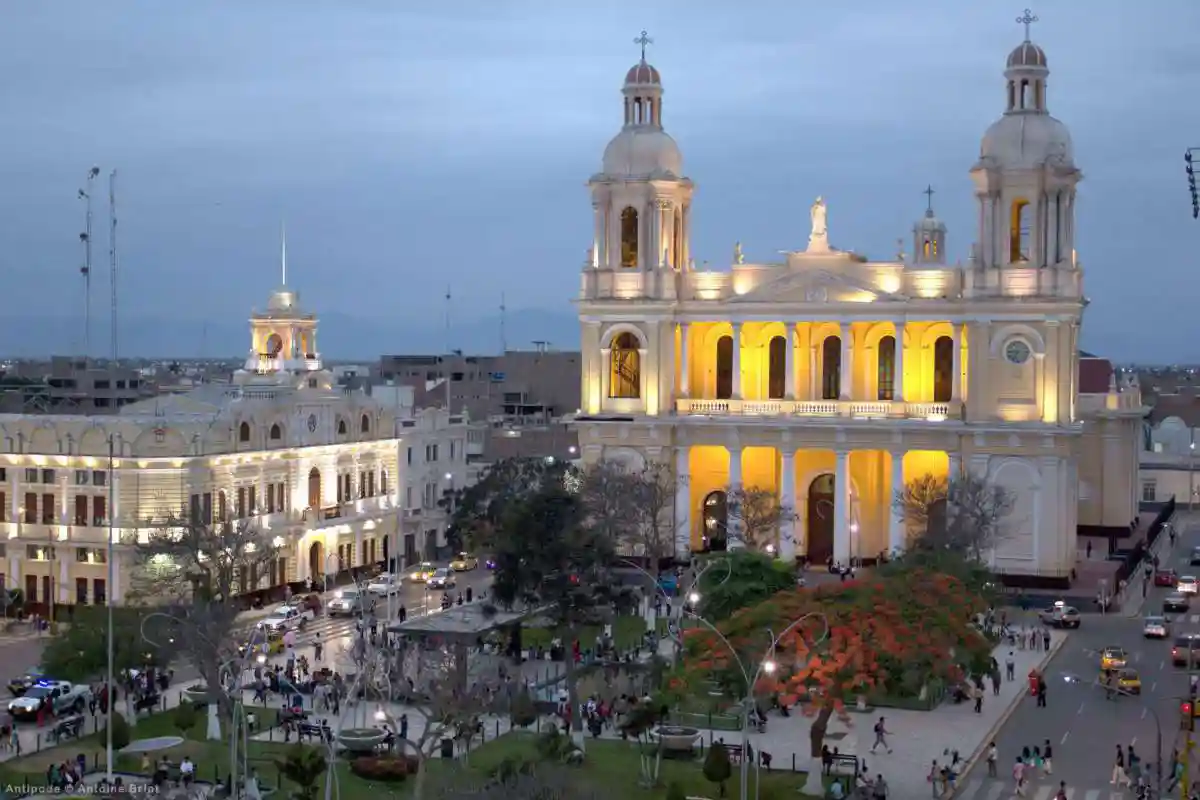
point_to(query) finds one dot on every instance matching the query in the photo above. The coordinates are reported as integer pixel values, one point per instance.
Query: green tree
(79, 652)
(184, 717)
(120, 732)
(967, 516)
(523, 712)
(717, 768)
(675, 791)
(303, 768)
(477, 510)
(740, 579)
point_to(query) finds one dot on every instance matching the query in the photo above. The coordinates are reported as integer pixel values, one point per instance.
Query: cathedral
(831, 380)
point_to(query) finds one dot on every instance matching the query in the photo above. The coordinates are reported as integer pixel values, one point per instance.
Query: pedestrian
(1041, 691)
(1047, 754)
(935, 779)
(1046, 640)
(992, 756)
(1018, 774)
(1062, 791)
(996, 682)
(1010, 666)
(881, 733)
(1118, 771)
(978, 692)
(1089, 549)
(318, 647)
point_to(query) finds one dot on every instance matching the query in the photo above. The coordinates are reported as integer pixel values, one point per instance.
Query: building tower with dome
(831, 380)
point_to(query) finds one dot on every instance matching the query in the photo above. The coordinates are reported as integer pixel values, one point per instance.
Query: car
(1128, 681)
(1188, 584)
(1194, 559)
(1176, 601)
(19, 685)
(1061, 616)
(1156, 628)
(287, 618)
(1185, 651)
(385, 584)
(271, 644)
(442, 578)
(1165, 577)
(54, 696)
(464, 563)
(422, 572)
(350, 602)
(1112, 658)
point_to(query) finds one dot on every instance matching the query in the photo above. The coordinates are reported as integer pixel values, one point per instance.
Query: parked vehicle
(1176, 601)
(18, 686)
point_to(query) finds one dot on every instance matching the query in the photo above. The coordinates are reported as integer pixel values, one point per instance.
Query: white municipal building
(832, 379)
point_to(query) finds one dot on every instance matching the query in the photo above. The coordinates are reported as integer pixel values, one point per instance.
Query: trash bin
(447, 748)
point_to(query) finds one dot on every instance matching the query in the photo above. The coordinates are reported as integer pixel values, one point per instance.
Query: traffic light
(1187, 720)
(1191, 175)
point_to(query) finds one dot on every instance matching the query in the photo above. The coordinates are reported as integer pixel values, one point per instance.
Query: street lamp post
(1158, 775)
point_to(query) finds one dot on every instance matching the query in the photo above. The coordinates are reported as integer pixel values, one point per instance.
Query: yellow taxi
(422, 572)
(1129, 682)
(1112, 658)
(464, 562)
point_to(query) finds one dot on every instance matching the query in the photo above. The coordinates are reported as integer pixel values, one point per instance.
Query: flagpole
(108, 737)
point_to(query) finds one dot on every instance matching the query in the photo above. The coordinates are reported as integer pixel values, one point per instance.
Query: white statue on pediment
(818, 240)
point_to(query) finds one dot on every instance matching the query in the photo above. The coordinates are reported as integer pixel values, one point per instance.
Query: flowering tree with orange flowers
(882, 636)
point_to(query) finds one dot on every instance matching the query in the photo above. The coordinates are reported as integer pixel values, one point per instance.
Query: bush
(385, 768)
(184, 717)
(717, 768)
(675, 791)
(524, 712)
(120, 732)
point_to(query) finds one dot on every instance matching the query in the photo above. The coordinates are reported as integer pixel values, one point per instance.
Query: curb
(1008, 712)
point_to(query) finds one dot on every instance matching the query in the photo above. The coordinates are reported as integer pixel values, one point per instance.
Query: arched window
(276, 432)
(341, 427)
(625, 368)
(383, 482)
(274, 345)
(943, 369)
(366, 424)
(222, 507)
(715, 521)
(831, 368)
(886, 368)
(776, 367)
(244, 432)
(314, 488)
(725, 368)
(629, 237)
(1019, 232)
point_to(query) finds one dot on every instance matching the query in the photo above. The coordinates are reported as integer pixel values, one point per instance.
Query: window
(276, 433)
(47, 476)
(408, 503)
(30, 514)
(81, 509)
(724, 368)
(410, 456)
(886, 368)
(943, 369)
(82, 477)
(1149, 491)
(370, 484)
(831, 368)
(81, 555)
(206, 509)
(1019, 233)
(99, 511)
(625, 371)
(240, 503)
(81, 591)
(194, 509)
(383, 489)
(252, 499)
(3, 474)
(222, 507)
(48, 509)
(451, 449)
(366, 424)
(3, 507)
(776, 367)
(31, 475)
(629, 237)
(99, 592)
(271, 508)
(341, 427)
(244, 432)
(1017, 352)
(99, 478)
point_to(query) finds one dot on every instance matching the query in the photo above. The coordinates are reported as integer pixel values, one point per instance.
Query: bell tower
(283, 339)
(929, 236)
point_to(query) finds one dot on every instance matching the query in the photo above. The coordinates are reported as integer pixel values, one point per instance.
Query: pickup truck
(56, 696)
(351, 602)
(286, 618)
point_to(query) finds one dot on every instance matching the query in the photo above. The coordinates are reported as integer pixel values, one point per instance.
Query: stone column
(737, 361)
(605, 374)
(683, 503)
(685, 222)
(787, 500)
(841, 508)
(898, 383)
(847, 372)
(684, 358)
(956, 362)
(655, 238)
(954, 471)
(734, 533)
(597, 233)
(789, 363)
(814, 377)
(63, 578)
(669, 235)
(897, 530)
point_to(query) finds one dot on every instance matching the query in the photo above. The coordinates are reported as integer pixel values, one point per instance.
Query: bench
(843, 764)
(735, 753)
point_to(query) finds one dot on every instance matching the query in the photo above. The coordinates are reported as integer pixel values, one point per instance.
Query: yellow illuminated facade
(829, 378)
(343, 479)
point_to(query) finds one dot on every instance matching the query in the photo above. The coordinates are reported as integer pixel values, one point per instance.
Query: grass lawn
(627, 632)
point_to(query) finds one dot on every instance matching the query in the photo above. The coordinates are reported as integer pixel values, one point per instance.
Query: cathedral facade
(830, 379)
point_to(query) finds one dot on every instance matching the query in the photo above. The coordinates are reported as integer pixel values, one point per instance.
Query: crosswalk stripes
(989, 789)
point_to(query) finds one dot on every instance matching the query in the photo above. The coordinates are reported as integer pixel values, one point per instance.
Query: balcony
(817, 409)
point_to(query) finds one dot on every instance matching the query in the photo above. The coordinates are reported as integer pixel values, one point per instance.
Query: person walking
(1018, 774)
(1010, 666)
(1047, 754)
(1041, 692)
(1118, 771)
(881, 733)
(992, 756)
(977, 691)
(1062, 791)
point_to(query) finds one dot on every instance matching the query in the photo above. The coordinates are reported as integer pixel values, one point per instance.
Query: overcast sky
(414, 144)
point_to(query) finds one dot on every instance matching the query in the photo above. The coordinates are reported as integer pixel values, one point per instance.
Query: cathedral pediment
(817, 286)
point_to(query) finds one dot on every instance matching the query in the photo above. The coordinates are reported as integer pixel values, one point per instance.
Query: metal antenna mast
(503, 329)
(86, 269)
(112, 259)
(447, 370)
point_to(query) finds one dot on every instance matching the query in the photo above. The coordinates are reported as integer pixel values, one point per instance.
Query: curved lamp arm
(678, 638)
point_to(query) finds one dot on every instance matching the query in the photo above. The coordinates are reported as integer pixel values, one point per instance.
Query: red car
(1165, 577)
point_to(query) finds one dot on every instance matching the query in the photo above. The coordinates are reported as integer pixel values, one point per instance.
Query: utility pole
(86, 270)
(112, 260)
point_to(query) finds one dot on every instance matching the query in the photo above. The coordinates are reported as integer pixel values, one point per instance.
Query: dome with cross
(642, 149)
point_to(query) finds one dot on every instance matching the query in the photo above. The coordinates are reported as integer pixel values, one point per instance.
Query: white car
(442, 578)
(1187, 584)
(1155, 627)
(55, 696)
(385, 585)
(350, 602)
(286, 618)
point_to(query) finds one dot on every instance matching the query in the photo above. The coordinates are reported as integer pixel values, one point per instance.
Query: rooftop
(465, 620)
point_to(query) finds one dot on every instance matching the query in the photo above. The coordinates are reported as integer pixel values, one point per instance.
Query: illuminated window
(831, 368)
(1019, 233)
(943, 369)
(625, 369)
(886, 368)
(776, 367)
(629, 237)
(715, 521)
(725, 368)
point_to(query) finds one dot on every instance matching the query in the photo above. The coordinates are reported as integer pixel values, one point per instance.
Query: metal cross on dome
(1027, 19)
(929, 197)
(643, 40)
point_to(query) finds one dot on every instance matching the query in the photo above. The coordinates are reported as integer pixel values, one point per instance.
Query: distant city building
(342, 478)
(65, 385)
(1170, 464)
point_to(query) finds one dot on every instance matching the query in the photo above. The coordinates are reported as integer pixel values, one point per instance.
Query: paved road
(1083, 727)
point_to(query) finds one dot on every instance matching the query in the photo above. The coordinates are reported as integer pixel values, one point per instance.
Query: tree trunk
(816, 734)
(577, 734)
